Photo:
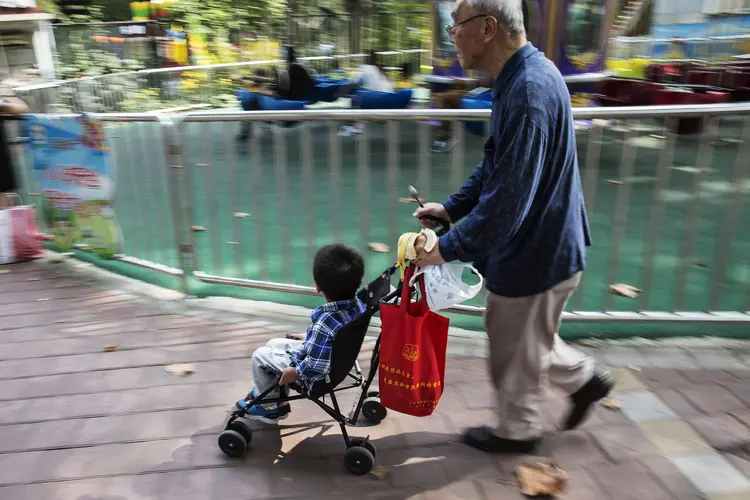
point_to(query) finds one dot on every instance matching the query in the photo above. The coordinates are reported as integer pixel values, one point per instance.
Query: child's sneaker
(258, 412)
(242, 403)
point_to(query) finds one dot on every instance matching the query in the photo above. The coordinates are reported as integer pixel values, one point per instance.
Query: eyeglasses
(451, 28)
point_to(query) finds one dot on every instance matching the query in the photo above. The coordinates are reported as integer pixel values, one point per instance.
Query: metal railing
(184, 86)
(669, 213)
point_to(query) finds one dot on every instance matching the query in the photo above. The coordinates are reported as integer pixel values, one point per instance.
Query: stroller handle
(445, 226)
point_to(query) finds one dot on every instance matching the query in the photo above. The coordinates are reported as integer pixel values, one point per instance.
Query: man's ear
(490, 28)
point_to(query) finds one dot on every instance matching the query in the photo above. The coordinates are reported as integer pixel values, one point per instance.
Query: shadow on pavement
(306, 461)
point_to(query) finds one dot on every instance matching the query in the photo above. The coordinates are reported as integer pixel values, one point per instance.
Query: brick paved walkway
(79, 423)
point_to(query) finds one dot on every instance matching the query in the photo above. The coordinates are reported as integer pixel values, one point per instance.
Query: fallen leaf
(198, 229)
(541, 479)
(241, 215)
(182, 370)
(111, 348)
(634, 368)
(379, 247)
(35, 278)
(380, 472)
(657, 136)
(611, 404)
(232, 243)
(702, 263)
(624, 290)
(409, 200)
(613, 181)
(42, 300)
(4, 271)
(719, 143)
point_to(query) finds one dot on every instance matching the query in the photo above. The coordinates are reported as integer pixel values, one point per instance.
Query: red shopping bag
(20, 238)
(413, 345)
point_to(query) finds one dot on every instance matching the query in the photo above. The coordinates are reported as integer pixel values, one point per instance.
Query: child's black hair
(338, 271)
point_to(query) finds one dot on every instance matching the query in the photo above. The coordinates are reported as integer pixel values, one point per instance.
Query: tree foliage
(214, 18)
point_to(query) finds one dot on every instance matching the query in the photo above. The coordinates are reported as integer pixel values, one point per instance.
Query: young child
(338, 271)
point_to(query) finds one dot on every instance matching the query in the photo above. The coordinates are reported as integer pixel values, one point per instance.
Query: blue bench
(269, 103)
(327, 90)
(370, 99)
(481, 101)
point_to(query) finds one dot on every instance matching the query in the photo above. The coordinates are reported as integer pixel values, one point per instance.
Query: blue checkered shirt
(313, 358)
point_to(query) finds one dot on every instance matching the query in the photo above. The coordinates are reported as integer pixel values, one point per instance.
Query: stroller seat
(360, 453)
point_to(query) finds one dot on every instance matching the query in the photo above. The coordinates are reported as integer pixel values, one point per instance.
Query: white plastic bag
(445, 286)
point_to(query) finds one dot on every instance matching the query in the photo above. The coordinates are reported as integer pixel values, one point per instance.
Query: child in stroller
(317, 367)
(343, 350)
(338, 271)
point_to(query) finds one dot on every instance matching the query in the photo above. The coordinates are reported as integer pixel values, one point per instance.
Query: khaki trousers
(526, 353)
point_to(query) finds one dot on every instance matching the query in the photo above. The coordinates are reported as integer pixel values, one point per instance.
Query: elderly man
(524, 225)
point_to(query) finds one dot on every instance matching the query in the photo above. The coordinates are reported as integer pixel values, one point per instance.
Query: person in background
(371, 77)
(261, 81)
(10, 106)
(296, 83)
(524, 225)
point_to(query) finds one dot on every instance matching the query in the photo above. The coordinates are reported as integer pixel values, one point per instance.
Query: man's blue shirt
(524, 218)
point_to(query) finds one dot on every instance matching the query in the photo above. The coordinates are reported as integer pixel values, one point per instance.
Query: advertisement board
(72, 169)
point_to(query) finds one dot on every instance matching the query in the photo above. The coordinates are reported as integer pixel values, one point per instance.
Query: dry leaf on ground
(409, 200)
(611, 404)
(380, 472)
(111, 348)
(702, 263)
(624, 290)
(182, 370)
(613, 181)
(634, 368)
(379, 247)
(4, 271)
(541, 479)
(657, 136)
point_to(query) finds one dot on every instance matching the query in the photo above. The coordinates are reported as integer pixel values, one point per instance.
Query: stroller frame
(359, 457)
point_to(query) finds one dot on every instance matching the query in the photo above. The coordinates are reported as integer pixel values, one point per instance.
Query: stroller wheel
(373, 410)
(373, 394)
(232, 443)
(242, 429)
(369, 445)
(359, 460)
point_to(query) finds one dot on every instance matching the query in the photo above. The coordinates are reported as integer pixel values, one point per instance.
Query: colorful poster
(71, 166)
(583, 47)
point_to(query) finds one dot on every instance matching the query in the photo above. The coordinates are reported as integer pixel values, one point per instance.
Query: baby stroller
(360, 454)
(359, 457)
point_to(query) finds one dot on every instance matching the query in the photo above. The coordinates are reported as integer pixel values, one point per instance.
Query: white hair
(509, 13)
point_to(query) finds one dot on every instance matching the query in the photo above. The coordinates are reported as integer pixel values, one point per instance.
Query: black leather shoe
(482, 438)
(595, 389)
